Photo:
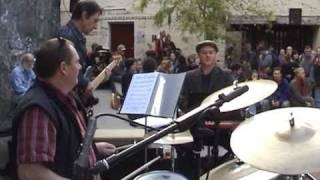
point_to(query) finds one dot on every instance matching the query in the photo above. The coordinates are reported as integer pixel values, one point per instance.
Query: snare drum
(160, 175)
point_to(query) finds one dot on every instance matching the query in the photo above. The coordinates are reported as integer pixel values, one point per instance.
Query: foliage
(203, 17)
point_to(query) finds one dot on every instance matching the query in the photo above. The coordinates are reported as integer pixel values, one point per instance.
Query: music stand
(153, 94)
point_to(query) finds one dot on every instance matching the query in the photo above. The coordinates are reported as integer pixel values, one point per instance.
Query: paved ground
(103, 106)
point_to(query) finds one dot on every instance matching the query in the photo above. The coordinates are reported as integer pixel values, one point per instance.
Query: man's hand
(89, 88)
(107, 73)
(105, 148)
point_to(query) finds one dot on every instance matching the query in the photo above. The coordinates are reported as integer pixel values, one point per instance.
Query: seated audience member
(192, 62)
(165, 66)
(237, 72)
(288, 67)
(300, 90)
(149, 64)
(22, 76)
(252, 109)
(280, 98)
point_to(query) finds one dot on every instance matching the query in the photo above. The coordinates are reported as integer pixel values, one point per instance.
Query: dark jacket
(70, 32)
(198, 86)
(68, 133)
(282, 92)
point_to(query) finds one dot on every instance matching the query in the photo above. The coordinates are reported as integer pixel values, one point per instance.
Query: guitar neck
(102, 75)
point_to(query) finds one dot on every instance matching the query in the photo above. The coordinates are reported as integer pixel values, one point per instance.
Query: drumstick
(120, 148)
(137, 171)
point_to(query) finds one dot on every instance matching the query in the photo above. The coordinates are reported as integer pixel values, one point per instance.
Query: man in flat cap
(205, 80)
(199, 83)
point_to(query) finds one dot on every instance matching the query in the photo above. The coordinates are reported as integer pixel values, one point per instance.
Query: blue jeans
(317, 96)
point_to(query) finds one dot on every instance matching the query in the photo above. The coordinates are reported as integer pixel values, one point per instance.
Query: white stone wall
(143, 26)
(126, 11)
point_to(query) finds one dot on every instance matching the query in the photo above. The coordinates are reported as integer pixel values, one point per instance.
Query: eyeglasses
(61, 48)
(62, 42)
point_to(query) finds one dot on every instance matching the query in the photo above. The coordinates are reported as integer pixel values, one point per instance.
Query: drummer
(198, 84)
(206, 79)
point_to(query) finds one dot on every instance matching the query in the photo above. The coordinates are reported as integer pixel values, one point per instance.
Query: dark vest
(68, 138)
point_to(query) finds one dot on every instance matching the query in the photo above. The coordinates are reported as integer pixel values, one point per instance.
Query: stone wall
(24, 24)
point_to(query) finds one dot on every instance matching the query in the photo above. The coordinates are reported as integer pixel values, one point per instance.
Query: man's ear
(63, 67)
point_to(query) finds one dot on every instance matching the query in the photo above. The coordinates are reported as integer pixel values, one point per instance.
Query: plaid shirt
(36, 141)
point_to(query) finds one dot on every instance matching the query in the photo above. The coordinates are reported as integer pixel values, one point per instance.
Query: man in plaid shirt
(50, 123)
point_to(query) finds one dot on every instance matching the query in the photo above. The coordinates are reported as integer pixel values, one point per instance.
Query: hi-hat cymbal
(269, 142)
(258, 90)
(176, 138)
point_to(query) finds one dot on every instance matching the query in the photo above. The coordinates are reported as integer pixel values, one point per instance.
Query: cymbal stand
(298, 177)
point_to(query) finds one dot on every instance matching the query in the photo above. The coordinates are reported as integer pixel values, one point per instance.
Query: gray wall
(24, 24)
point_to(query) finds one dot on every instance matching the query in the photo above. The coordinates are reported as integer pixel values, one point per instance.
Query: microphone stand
(182, 123)
(81, 165)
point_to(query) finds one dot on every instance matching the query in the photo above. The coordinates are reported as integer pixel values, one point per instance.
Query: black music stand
(153, 94)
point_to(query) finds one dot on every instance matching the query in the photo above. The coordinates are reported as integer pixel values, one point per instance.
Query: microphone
(100, 166)
(234, 94)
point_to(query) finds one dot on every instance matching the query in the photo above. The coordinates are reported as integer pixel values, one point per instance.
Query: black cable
(127, 120)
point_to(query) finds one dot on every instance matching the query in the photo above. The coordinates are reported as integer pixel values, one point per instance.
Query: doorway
(123, 33)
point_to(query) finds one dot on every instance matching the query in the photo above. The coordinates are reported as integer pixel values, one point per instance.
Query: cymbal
(176, 138)
(268, 142)
(258, 90)
(232, 170)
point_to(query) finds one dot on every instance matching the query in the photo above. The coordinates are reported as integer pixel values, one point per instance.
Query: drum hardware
(160, 175)
(235, 169)
(258, 90)
(288, 134)
(137, 171)
(182, 123)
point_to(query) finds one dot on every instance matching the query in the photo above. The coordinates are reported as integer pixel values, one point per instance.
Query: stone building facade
(124, 13)
(295, 30)
(245, 28)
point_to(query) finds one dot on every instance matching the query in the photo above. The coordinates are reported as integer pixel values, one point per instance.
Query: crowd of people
(50, 120)
(297, 74)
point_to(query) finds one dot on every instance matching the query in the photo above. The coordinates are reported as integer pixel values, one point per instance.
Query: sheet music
(167, 94)
(139, 93)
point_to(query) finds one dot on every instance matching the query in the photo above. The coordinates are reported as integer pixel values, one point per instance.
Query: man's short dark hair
(91, 7)
(129, 62)
(50, 55)
(149, 65)
(235, 67)
(277, 69)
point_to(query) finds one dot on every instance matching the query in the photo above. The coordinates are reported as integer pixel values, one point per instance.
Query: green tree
(207, 18)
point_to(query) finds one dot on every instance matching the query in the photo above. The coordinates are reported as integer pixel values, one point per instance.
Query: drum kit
(278, 143)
